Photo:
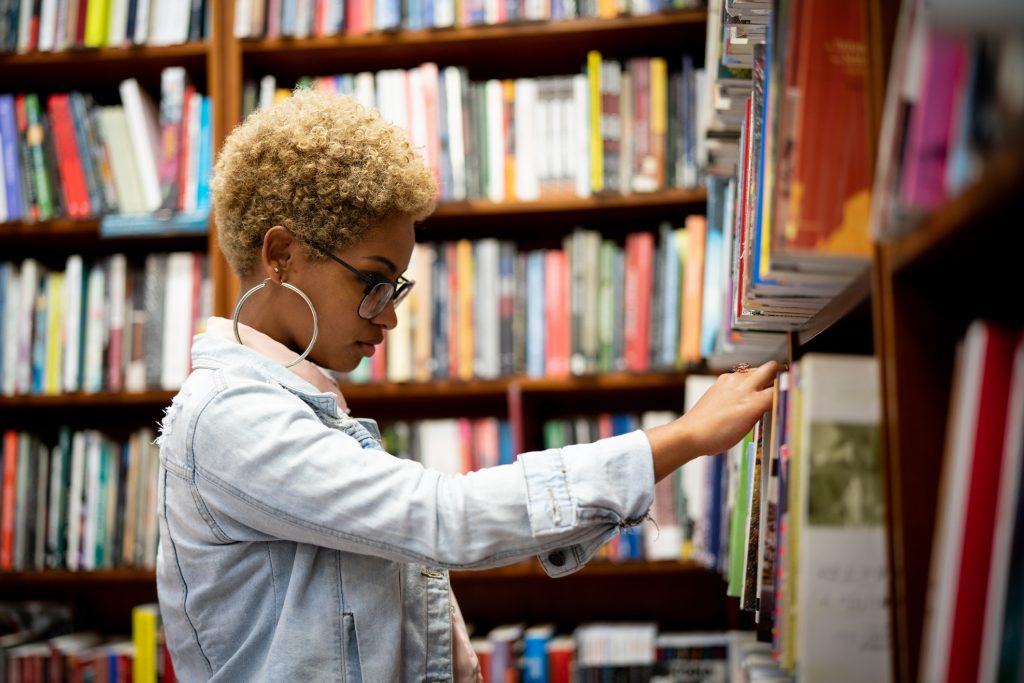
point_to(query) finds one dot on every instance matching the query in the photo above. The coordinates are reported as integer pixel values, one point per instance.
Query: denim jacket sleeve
(263, 466)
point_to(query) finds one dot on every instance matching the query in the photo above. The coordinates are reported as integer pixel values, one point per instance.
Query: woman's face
(344, 338)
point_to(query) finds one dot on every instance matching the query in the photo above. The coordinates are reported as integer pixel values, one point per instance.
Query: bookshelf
(956, 267)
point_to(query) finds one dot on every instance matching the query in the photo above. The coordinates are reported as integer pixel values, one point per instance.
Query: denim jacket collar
(212, 352)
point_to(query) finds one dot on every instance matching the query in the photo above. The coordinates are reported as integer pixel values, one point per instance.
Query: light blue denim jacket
(293, 549)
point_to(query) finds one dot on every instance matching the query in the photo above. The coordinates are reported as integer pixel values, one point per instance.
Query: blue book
(39, 335)
(429, 22)
(506, 450)
(535, 314)
(205, 156)
(711, 308)
(631, 543)
(9, 150)
(439, 287)
(622, 424)
(414, 15)
(288, 17)
(535, 653)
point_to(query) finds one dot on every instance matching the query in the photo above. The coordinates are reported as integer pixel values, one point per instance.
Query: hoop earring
(245, 297)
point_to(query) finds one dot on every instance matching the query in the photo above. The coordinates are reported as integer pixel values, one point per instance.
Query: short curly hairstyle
(321, 165)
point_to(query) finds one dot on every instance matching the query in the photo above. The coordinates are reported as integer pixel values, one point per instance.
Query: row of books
(947, 112)
(627, 652)
(615, 128)
(785, 116)
(464, 445)
(40, 644)
(483, 310)
(303, 18)
(794, 519)
(105, 325)
(84, 501)
(76, 159)
(976, 589)
(58, 25)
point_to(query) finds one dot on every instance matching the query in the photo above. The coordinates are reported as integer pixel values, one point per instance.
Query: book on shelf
(143, 170)
(277, 18)
(62, 25)
(947, 112)
(530, 138)
(971, 621)
(103, 325)
(77, 500)
(482, 309)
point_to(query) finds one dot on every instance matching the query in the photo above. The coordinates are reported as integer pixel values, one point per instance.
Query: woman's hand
(722, 416)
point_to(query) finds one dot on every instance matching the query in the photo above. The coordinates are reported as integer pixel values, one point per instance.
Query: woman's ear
(279, 245)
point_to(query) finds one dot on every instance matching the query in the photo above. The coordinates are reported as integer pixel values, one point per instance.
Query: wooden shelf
(65, 235)
(529, 569)
(106, 55)
(143, 399)
(92, 578)
(856, 294)
(481, 47)
(965, 218)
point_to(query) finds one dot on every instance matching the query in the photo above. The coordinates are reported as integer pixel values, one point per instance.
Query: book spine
(36, 138)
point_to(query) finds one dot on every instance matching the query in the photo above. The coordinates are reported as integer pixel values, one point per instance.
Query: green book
(554, 434)
(738, 521)
(36, 136)
(101, 504)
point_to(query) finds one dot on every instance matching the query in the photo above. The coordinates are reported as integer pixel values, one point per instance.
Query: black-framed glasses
(378, 291)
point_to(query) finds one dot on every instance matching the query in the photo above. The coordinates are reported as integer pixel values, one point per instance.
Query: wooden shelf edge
(470, 209)
(614, 381)
(1001, 182)
(106, 54)
(57, 227)
(472, 34)
(64, 576)
(530, 569)
(145, 398)
(856, 293)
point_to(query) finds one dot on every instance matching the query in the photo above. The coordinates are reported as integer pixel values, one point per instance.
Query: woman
(292, 548)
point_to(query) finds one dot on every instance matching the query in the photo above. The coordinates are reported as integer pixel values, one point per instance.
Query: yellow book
(281, 94)
(96, 20)
(659, 117)
(53, 370)
(145, 623)
(594, 97)
(466, 288)
(508, 89)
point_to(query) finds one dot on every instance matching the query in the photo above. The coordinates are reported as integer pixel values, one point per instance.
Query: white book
(366, 90)
(78, 448)
(47, 25)
(417, 114)
(453, 86)
(116, 293)
(142, 13)
(303, 18)
(114, 128)
(243, 18)
(444, 14)
(148, 519)
(667, 542)
(1006, 519)
(11, 320)
(26, 317)
(581, 152)
(145, 137)
(72, 321)
(24, 22)
(439, 446)
(495, 140)
(487, 323)
(95, 330)
(422, 303)
(525, 119)
(90, 518)
(268, 89)
(177, 333)
(117, 24)
(841, 565)
(42, 481)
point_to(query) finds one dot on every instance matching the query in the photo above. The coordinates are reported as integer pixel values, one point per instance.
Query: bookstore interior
(633, 197)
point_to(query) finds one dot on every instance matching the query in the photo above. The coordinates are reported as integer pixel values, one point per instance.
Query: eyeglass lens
(374, 302)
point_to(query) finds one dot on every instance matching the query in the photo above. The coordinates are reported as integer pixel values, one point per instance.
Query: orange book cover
(454, 341)
(464, 266)
(831, 181)
(639, 271)
(10, 470)
(69, 161)
(556, 295)
(693, 287)
(508, 91)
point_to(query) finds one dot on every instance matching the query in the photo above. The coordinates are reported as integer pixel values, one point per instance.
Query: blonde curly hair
(321, 165)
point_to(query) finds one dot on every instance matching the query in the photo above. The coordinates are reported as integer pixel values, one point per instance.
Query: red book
(10, 470)
(451, 259)
(186, 145)
(354, 17)
(69, 162)
(982, 496)
(379, 363)
(637, 304)
(741, 232)
(556, 322)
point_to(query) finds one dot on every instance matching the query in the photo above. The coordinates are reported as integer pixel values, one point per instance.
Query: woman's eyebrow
(386, 261)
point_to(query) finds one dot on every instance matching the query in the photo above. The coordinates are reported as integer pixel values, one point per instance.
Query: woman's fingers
(764, 376)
